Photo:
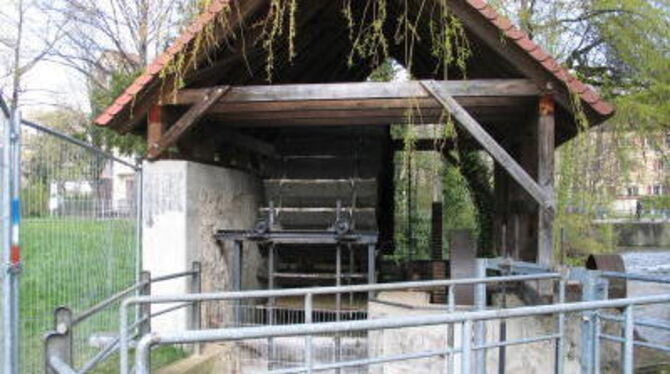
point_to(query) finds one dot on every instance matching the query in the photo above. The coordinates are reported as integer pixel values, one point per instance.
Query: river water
(650, 262)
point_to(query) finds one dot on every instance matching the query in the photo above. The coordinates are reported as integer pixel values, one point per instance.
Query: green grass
(75, 263)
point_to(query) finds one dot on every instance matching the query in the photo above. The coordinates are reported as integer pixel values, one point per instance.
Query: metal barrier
(308, 295)
(71, 235)
(467, 319)
(467, 357)
(58, 342)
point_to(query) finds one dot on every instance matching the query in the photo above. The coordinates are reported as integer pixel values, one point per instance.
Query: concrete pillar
(184, 204)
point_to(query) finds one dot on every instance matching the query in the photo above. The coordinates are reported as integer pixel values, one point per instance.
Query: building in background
(647, 184)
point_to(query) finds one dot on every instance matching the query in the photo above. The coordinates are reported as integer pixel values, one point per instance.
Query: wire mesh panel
(79, 236)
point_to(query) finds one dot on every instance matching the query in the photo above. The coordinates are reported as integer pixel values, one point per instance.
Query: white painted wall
(184, 204)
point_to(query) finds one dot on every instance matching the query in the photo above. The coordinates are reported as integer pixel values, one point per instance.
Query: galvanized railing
(466, 349)
(58, 343)
(308, 295)
(472, 349)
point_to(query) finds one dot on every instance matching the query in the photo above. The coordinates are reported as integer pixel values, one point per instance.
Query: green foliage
(101, 98)
(582, 237)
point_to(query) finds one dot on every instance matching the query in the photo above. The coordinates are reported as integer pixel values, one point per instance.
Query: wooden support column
(545, 175)
(156, 126)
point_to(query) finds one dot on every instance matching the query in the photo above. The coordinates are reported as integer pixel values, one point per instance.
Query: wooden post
(545, 176)
(156, 126)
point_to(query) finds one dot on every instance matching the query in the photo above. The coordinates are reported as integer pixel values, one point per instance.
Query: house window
(632, 191)
(658, 190)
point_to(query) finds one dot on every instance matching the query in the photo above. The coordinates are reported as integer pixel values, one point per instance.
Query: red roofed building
(319, 133)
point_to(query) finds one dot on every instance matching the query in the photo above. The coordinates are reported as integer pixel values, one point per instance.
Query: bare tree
(28, 37)
(108, 36)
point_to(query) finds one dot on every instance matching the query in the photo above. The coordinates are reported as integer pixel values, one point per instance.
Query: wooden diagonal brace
(499, 154)
(186, 122)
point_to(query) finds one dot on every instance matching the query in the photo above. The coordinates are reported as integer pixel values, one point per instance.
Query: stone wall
(184, 204)
(643, 234)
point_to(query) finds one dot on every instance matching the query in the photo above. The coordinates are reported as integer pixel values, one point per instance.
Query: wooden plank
(364, 91)
(156, 125)
(186, 122)
(546, 141)
(465, 120)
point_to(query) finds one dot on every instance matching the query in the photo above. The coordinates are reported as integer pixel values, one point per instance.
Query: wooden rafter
(499, 154)
(186, 122)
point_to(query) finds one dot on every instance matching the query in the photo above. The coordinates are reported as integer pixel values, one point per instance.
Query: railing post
(596, 342)
(338, 303)
(480, 326)
(309, 360)
(560, 342)
(593, 288)
(196, 287)
(466, 347)
(237, 279)
(451, 301)
(145, 308)
(588, 294)
(58, 343)
(372, 277)
(629, 341)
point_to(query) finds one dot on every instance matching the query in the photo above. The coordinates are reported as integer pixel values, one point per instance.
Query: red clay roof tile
(478, 4)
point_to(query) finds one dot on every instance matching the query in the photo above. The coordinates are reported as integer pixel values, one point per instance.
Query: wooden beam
(545, 173)
(157, 123)
(412, 90)
(186, 122)
(465, 120)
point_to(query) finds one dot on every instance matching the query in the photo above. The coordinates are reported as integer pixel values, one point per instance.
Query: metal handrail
(61, 367)
(217, 335)
(240, 295)
(81, 317)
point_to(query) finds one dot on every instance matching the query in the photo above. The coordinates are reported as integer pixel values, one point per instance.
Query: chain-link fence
(79, 236)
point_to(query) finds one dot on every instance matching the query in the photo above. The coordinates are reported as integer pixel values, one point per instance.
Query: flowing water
(650, 262)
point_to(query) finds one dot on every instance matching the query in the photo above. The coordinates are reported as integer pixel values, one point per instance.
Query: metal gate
(71, 237)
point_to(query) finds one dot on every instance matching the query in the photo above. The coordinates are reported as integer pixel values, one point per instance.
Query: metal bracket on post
(145, 308)
(196, 287)
(58, 343)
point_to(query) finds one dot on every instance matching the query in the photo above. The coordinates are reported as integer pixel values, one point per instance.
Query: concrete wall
(531, 358)
(184, 204)
(643, 234)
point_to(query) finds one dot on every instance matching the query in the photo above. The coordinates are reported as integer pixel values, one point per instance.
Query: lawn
(74, 262)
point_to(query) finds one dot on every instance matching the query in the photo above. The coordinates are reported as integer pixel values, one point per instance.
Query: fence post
(237, 279)
(11, 259)
(480, 326)
(629, 341)
(58, 343)
(145, 308)
(466, 346)
(593, 288)
(309, 307)
(196, 287)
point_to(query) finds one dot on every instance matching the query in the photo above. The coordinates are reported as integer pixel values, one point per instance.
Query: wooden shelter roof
(500, 50)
